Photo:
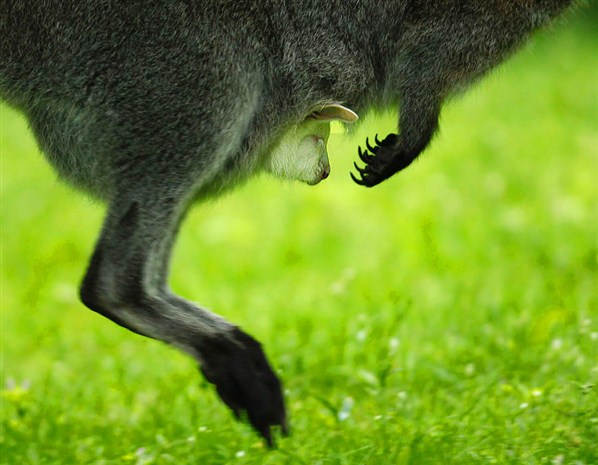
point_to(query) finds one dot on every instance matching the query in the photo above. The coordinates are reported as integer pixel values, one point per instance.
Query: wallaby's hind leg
(126, 282)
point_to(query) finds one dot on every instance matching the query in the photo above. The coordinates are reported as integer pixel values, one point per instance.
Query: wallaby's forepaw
(381, 161)
(244, 380)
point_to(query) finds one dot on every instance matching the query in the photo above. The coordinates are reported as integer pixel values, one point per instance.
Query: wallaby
(150, 105)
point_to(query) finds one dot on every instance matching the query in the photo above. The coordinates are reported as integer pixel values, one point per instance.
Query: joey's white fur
(301, 152)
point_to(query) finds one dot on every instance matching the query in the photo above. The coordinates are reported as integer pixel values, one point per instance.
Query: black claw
(267, 435)
(381, 161)
(357, 181)
(370, 148)
(361, 171)
(364, 156)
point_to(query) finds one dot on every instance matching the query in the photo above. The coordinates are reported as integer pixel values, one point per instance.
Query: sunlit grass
(446, 316)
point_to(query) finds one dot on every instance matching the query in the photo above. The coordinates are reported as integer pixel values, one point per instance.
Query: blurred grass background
(448, 315)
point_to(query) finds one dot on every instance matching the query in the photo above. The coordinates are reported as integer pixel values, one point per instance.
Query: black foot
(381, 162)
(244, 380)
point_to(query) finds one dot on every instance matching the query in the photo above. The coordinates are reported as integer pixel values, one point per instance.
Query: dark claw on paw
(237, 366)
(361, 171)
(357, 181)
(380, 161)
(363, 155)
(370, 148)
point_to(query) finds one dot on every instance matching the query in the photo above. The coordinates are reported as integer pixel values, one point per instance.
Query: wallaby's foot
(244, 380)
(382, 161)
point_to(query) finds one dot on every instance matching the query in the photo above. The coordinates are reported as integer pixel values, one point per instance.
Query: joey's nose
(326, 172)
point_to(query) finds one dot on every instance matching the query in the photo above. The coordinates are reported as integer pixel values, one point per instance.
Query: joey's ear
(335, 112)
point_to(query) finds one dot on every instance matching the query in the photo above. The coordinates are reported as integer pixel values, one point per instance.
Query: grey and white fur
(149, 105)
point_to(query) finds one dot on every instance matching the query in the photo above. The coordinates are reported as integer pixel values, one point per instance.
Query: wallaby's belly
(117, 101)
(72, 142)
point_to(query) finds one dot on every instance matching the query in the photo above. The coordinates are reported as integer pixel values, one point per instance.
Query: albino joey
(301, 152)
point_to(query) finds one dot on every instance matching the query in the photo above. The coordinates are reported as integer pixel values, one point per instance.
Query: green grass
(448, 316)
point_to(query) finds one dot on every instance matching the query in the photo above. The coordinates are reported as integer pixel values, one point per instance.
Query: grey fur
(151, 104)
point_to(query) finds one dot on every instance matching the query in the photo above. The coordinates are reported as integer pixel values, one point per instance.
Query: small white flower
(240, 454)
(361, 335)
(558, 460)
(524, 405)
(469, 369)
(345, 411)
(338, 287)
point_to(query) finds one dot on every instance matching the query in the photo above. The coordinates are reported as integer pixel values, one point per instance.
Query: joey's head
(301, 153)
